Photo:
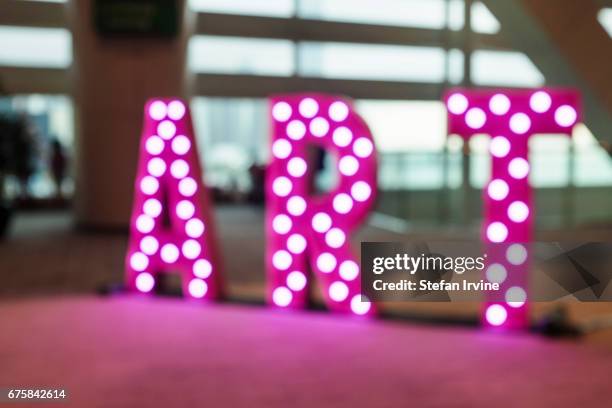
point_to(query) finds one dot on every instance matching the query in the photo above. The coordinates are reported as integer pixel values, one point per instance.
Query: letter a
(171, 228)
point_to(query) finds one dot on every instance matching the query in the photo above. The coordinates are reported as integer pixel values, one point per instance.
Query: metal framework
(51, 15)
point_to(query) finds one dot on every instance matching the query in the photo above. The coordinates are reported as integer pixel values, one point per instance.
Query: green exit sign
(130, 18)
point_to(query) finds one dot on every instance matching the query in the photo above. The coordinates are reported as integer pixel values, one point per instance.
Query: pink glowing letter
(302, 227)
(511, 117)
(170, 227)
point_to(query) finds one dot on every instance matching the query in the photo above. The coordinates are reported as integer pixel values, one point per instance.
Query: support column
(112, 79)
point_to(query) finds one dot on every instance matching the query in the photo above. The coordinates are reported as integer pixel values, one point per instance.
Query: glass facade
(415, 153)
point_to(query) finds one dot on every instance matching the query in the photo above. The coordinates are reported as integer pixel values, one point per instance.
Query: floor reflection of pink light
(128, 351)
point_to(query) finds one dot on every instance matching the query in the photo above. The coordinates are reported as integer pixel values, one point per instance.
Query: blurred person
(58, 165)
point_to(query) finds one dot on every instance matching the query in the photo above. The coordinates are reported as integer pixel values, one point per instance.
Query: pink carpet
(129, 352)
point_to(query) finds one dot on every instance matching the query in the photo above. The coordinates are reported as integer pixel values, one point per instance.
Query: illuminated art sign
(511, 117)
(171, 229)
(310, 232)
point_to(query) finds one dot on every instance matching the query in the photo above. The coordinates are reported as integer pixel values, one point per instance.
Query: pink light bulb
(499, 104)
(540, 102)
(197, 288)
(565, 116)
(360, 305)
(343, 203)
(475, 118)
(191, 249)
(152, 207)
(154, 145)
(169, 253)
(282, 296)
(518, 168)
(145, 282)
(149, 245)
(457, 104)
(282, 186)
(181, 145)
(520, 123)
(498, 189)
(149, 185)
(319, 127)
(139, 261)
(179, 169)
(157, 110)
(188, 187)
(282, 260)
(338, 111)
(349, 270)
(166, 129)
(518, 211)
(194, 228)
(296, 243)
(516, 296)
(282, 224)
(363, 147)
(500, 146)
(496, 273)
(185, 209)
(338, 291)
(281, 149)
(342, 136)
(297, 167)
(361, 191)
(321, 222)
(281, 111)
(496, 315)
(202, 268)
(308, 107)
(176, 110)
(156, 167)
(326, 262)
(497, 232)
(296, 205)
(516, 254)
(296, 281)
(348, 165)
(296, 130)
(335, 238)
(145, 224)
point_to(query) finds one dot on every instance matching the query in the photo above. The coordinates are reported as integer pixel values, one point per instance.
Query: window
(429, 14)
(238, 55)
(413, 13)
(605, 19)
(232, 135)
(549, 158)
(35, 47)
(593, 166)
(483, 21)
(504, 68)
(378, 62)
(273, 8)
(405, 126)
(50, 117)
(410, 138)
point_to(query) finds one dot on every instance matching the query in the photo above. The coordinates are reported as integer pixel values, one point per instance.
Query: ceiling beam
(256, 86)
(32, 14)
(22, 80)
